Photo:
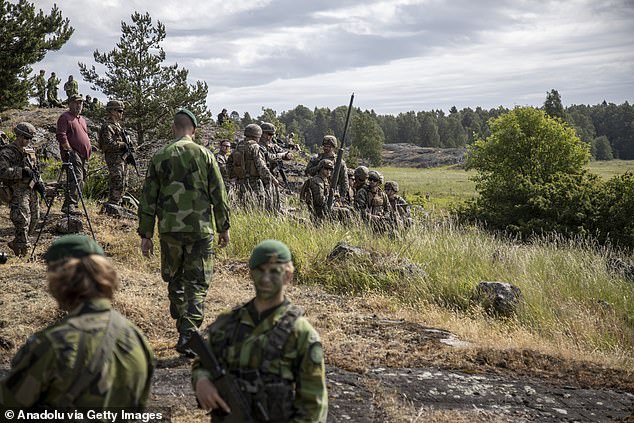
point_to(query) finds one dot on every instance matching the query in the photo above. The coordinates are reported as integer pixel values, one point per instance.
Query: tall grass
(567, 290)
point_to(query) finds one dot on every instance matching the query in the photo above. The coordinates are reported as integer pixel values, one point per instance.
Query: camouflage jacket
(221, 159)
(46, 367)
(400, 206)
(12, 161)
(111, 138)
(273, 153)
(241, 342)
(71, 88)
(319, 192)
(312, 169)
(40, 84)
(184, 190)
(361, 196)
(51, 86)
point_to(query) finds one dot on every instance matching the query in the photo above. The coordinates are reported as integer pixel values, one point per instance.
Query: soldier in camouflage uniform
(329, 148)
(183, 189)
(71, 87)
(112, 143)
(273, 153)
(319, 186)
(221, 158)
(400, 209)
(51, 91)
(247, 165)
(40, 87)
(18, 172)
(374, 205)
(361, 187)
(272, 350)
(93, 357)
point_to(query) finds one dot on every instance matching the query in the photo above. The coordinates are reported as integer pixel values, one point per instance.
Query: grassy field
(442, 186)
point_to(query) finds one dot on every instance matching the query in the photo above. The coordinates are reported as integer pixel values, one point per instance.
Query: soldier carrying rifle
(117, 150)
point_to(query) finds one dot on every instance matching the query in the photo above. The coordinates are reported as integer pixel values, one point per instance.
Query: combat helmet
(391, 185)
(327, 164)
(253, 130)
(115, 105)
(361, 173)
(268, 128)
(25, 130)
(373, 174)
(331, 140)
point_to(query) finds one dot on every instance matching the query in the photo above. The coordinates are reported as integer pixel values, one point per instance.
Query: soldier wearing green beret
(185, 192)
(94, 357)
(274, 352)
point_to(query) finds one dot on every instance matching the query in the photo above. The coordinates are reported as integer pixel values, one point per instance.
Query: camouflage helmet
(253, 130)
(268, 128)
(330, 139)
(24, 129)
(326, 164)
(391, 185)
(114, 105)
(361, 173)
(373, 174)
(350, 173)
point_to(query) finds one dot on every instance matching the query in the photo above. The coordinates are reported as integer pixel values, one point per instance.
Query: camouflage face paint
(268, 280)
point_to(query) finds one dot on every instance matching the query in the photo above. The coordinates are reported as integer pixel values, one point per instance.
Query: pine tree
(553, 106)
(135, 74)
(25, 38)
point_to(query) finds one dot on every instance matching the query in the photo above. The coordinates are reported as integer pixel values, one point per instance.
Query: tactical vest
(376, 202)
(270, 396)
(243, 161)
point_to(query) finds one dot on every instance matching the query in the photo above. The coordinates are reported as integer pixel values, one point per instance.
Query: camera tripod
(69, 168)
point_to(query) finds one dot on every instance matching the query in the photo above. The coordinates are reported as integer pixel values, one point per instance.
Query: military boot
(182, 347)
(18, 250)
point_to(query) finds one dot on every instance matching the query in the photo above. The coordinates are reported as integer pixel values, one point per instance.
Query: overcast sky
(396, 56)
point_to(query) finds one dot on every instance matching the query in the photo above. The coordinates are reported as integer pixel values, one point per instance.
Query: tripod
(69, 170)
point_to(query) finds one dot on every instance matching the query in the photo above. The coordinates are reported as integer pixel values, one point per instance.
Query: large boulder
(69, 225)
(498, 298)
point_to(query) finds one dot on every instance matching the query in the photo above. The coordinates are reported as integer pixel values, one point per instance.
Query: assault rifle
(224, 382)
(279, 167)
(335, 173)
(128, 156)
(36, 182)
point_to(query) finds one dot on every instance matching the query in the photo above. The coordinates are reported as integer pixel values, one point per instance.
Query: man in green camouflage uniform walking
(18, 171)
(112, 143)
(40, 87)
(93, 357)
(247, 165)
(183, 189)
(329, 151)
(272, 350)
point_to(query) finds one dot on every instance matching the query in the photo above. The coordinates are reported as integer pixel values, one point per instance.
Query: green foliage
(96, 183)
(530, 176)
(602, 148)
(135, 74)
(352, 160)
(553, 106)
(26, 36)
(227, 130)
(616, 211)
(367, 137)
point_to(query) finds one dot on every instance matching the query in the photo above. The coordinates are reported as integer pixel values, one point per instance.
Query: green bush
(615, 220)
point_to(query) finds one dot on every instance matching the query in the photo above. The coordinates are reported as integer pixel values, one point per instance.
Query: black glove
(27, 173)
(40, 189)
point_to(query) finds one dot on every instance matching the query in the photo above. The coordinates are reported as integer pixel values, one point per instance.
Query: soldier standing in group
(71, 87)
(75, 148)
(18, 171)
(361, 187)
(319, 185)
(223, 117)
(329, 148)
(272, 350)
(273, 153)
(112, 141)
(221, 158)
(93, 357)
(376, 209)
(399, 207)
(248, 166)
(184, 191)
(40, 87)
(51, 91)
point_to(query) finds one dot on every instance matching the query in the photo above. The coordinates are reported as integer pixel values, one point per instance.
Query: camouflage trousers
(116, 177)
(80, 166)
(20, 214)
(251, 193)
(187, 266)
(273, 202)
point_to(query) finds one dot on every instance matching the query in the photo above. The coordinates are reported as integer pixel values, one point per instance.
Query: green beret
(269, 251)
(76, 246)
(189, 114)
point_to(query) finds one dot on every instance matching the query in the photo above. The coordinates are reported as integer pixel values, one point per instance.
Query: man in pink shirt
(75, 148)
